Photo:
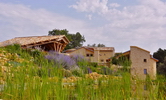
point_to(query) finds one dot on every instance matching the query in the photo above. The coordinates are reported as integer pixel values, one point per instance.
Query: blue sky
(115, 23)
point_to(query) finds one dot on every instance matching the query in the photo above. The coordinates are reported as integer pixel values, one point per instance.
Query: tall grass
(36, 78)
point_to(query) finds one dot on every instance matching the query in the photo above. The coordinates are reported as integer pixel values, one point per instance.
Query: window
(145, 60)
(89, 55)
(145, 71)
(102, 60)
(145, 87)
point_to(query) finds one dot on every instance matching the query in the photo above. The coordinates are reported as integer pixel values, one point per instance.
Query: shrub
(65, 61)
(122, 61)
(78, 73)
(15, 48)
(80, 60)
(61, 60)
(105, 71)
(94, 64)
(35, 53)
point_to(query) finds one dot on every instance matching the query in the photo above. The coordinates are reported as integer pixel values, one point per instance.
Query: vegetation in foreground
(28, 74)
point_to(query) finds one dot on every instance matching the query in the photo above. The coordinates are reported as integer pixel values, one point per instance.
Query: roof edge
(139, 48)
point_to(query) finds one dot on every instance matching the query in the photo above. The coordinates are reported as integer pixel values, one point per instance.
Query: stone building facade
(142, 63)
(99, 55)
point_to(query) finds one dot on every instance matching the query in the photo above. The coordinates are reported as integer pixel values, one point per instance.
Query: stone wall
(142, 64)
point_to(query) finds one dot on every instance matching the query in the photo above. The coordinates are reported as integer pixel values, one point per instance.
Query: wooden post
(55, 47)
(60, 48)
(63, 46)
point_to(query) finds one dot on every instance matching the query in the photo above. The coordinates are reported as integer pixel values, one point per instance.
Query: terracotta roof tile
(31, 40)
(103, 48)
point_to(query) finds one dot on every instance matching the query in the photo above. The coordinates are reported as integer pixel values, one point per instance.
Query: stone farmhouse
(143, 63)
(46, 43)
(99, 55)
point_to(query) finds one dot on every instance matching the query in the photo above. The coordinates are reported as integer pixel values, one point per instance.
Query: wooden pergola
(47, 43)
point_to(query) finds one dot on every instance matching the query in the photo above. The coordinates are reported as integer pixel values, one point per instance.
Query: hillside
(28, 74)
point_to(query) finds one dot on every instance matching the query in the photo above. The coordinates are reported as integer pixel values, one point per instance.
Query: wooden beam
(64, 45)
(64, 40)
(55, 47)
(41, 43)
(60, 48)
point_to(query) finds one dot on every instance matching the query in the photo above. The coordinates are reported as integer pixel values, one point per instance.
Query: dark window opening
(87, 55)
(107, 60)
(145, 87)
(145, 71)
(145, 60)
(91, 55)
(102, 60)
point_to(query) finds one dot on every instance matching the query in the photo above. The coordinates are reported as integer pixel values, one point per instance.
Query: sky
(115, 23)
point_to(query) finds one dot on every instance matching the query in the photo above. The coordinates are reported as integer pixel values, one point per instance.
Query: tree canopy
(122, 61)
(96, 45)
(161, 56)
(76, 40)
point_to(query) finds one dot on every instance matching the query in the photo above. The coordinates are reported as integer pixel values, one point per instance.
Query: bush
(36, 53)
(15, 48)
(65, 61)
(105, 71)
(94, 64)
(60, 60)
(122, 61)
(80, 60)
(77, 73)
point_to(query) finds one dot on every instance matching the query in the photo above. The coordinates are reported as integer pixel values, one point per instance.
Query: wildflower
(89, 70)
(78, 58)
(61, 60)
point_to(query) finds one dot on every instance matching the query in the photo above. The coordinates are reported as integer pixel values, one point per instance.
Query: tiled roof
(32, 40)
(103, 48)
(99, 48)
(154, 58)
(90, 49)
(139, 48)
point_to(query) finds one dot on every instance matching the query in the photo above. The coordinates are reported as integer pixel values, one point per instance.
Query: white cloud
(114, 5)
(89, 16)
(91, 6)
(142, 24)
(20, 20)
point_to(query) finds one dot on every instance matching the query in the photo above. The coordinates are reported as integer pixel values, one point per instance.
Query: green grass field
(27, 75)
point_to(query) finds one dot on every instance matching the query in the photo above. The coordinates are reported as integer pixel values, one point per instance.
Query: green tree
(161, 69)
(122, 61)
(161, 64)
(98, 45)
(160, 55)
(76, 40)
